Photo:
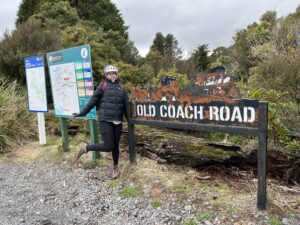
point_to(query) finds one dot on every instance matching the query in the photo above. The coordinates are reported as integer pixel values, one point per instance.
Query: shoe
(82, 150)
(115, 172)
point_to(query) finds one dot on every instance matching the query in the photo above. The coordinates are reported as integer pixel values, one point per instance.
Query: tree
(269, 16)
(200, 57)
(130, 53)
(103, 12)
(172, 51)
(220, 57)
(132, 75)
(155, 60)
(60, 11)
(167, 47)
(183, 78)
(159, 43)
(30, 38)
(26, 9)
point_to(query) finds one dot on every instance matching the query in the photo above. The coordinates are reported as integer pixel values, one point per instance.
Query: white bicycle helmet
(111, 68)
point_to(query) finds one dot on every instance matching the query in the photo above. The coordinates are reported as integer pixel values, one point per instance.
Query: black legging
(110, 134)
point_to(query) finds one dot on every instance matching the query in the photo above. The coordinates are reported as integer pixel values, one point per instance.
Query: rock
(188, 207)
(285, 221)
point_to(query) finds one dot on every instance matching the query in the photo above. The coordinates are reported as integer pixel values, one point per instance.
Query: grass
(180, 187)
(190, 222)
(200, 218)
(114, 184)
(91, 164)
(17, 125)
(130, 192)
(275, 221)
(58, 153)
(203, 216)
(155, 203)
(50, 142)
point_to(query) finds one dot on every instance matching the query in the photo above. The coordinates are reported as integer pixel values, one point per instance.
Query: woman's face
(112, 76)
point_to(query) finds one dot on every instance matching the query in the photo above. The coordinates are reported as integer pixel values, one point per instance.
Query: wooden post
(262, 155)
(64, 133)
(131, 144)
(132, 152)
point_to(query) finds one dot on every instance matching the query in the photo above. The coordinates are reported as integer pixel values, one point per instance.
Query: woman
(112, 99)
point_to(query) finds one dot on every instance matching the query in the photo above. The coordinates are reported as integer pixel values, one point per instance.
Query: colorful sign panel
(71, 80)
(36, 83)
(216, 101)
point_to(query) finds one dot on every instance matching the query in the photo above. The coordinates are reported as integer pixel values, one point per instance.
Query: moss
(182, 143)
(202, 149)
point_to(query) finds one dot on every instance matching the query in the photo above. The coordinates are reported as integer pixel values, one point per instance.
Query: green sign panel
(71, 80)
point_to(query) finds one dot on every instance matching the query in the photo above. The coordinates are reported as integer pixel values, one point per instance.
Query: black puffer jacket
(112, 102)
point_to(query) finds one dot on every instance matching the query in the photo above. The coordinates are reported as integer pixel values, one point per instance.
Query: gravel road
(37, 193)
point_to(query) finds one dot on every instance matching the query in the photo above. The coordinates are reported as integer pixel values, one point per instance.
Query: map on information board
(36, 83)
(71, 80)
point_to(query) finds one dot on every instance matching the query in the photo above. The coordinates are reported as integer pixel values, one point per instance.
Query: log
(186, 148)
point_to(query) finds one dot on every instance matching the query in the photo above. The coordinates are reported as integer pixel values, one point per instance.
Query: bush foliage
(16, 123)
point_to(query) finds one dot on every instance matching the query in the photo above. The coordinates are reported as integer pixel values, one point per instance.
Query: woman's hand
(76, 114)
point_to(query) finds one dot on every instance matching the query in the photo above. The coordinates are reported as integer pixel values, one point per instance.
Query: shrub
(282, 117)
(16, 123)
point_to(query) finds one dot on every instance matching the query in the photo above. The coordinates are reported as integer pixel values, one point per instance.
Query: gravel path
(37, 193)
(41, 193)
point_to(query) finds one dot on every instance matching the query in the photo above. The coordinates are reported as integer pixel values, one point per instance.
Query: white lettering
(249, 118)
(213, 113)
(163, 114)
(187, 111)
(236, 114)
(152, 111)
(139, 110)
(180, 112)
(145, 111)
(171, 111)
(198, 112)
(224, 113)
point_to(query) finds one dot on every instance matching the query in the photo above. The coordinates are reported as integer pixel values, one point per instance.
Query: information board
(36, 83)
(71, 80)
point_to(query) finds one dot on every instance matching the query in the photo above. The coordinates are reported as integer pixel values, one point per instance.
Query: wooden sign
(212, 103)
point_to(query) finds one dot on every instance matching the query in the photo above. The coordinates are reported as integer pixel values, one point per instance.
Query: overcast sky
(192, 22)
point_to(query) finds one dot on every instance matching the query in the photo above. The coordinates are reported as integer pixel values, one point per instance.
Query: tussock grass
(17, 125)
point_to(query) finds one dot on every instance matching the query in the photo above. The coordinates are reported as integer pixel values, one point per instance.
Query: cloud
(8, 15)
(194, 22)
